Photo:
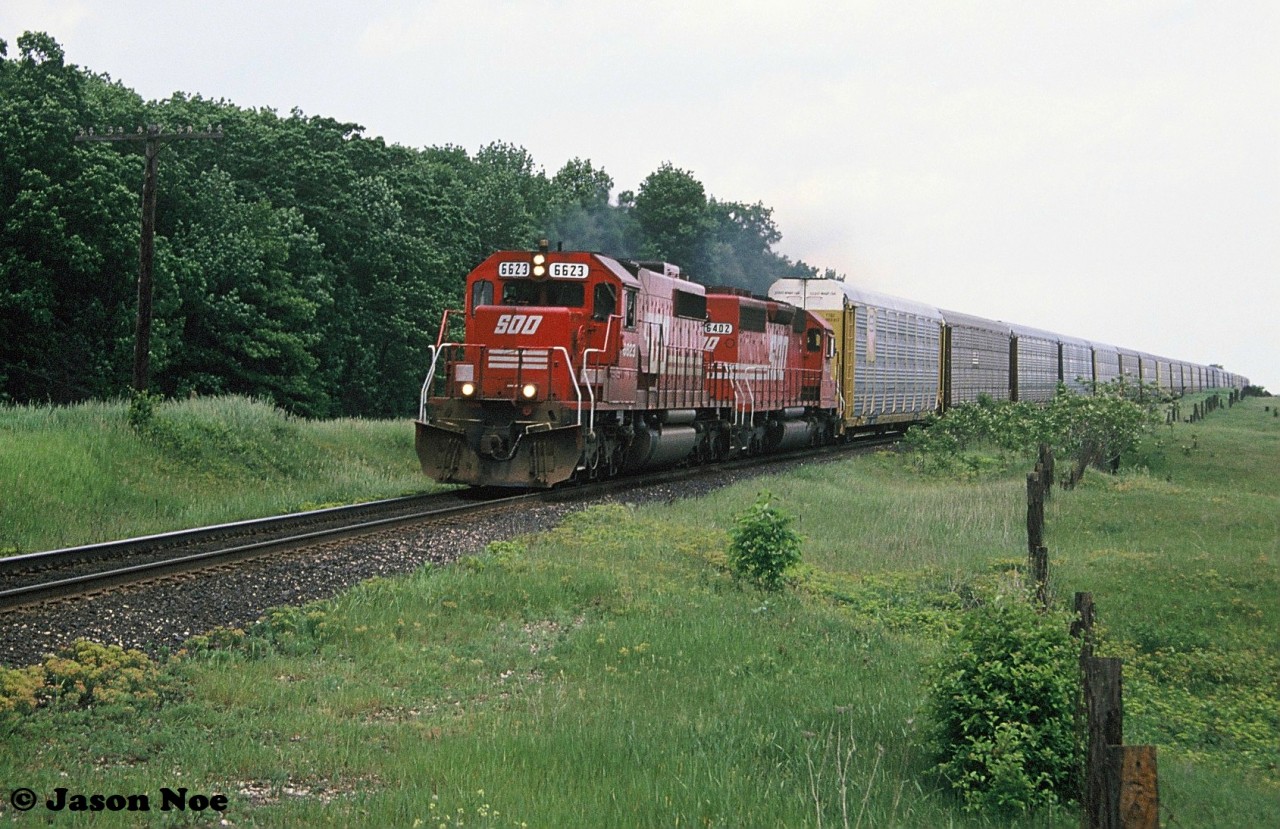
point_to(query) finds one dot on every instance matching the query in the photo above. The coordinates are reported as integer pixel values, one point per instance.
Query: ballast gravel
(159, 616)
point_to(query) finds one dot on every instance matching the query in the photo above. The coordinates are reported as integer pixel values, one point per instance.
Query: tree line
(298, 259)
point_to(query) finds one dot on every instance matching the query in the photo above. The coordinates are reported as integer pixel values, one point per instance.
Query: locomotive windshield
(551, 293)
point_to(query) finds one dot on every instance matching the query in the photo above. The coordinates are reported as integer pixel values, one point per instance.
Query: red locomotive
(576, 365)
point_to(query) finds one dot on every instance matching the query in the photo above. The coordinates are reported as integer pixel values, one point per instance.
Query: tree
(389, 304)
(582, 217)
(579, 182)
(509, 198)
(242, 283)
(671, 209)
(68, 235)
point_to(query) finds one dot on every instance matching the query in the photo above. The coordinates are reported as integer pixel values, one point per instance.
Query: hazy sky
(1109, 170)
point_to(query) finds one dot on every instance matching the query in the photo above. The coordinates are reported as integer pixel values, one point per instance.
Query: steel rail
(92, 582)
(112, 549)
(190, 562)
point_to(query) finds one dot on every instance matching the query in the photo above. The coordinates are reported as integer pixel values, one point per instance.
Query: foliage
(142, 410)
(297, 259)
(86, 672)
(1094, 429)
(297, 630)
(20, 689)
(82, 674)
(610, 655)
(1003, 702)
(121, 468)
(763, 544)
(1207, 700)
(671, 208)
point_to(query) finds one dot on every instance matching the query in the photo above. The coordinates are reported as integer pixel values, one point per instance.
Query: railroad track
(56, 574)
(60, 574)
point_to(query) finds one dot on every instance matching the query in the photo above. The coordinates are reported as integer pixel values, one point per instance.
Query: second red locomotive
(576, 365)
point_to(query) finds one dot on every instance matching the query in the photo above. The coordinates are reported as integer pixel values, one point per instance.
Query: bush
(85, 673)
(763, 545)
(20, 689)
(1090, 430)
(142, 410)
(1003, 701)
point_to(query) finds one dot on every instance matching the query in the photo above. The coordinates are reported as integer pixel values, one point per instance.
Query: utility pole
(153, 137)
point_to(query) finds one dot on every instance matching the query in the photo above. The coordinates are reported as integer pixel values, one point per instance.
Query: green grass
(612, 673)
(1184, 565)
(81, 474)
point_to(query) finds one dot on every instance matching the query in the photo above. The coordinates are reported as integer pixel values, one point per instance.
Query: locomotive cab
(514, 402)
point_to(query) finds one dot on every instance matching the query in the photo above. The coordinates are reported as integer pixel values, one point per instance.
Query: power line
(154, 137)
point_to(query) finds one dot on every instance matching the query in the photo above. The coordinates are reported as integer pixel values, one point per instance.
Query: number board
(717, 328)
(513, 269)
(568, 270)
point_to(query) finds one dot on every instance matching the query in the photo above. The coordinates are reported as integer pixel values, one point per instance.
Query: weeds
(1091, 430)
(119, 469)
(609, 672)
(81, 675)
(1003, 700)
(763, 545)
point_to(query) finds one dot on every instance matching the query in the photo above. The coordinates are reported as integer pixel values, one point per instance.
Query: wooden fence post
(1082, 626)
(1135, 791)
(1046, 469)
(1035, 513)
(1104, 707)
(1040, 576)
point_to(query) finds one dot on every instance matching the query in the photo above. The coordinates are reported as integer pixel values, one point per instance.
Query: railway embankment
(102, 471)
(612, 671)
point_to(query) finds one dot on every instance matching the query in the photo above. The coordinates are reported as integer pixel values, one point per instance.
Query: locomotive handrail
(437, 349)
(426, 384)
(751, 401)
(591, 425)
(576, 390)
(444, 322)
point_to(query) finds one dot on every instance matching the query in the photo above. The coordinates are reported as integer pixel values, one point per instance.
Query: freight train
(574, 366)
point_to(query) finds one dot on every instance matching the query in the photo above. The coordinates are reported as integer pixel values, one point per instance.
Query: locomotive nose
(492, 446)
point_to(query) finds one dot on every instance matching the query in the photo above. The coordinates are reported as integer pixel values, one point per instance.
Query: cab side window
(604, 303)
(629, 318)
(481, 294)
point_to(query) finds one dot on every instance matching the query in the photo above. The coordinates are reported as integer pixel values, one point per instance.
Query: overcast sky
(1108, 170)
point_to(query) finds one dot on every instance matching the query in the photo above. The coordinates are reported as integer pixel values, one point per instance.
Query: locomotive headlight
(529, 391)
(539, 259)
(539, 265)
(468, 389)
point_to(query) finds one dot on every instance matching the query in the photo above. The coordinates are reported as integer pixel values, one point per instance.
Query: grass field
(81, 474)
(612, 673)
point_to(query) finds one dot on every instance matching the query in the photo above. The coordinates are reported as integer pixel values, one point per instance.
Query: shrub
(20, 689)
(142, 410)
(763, 545)
(1003, 708)
(1091, 429)
(86, 672)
